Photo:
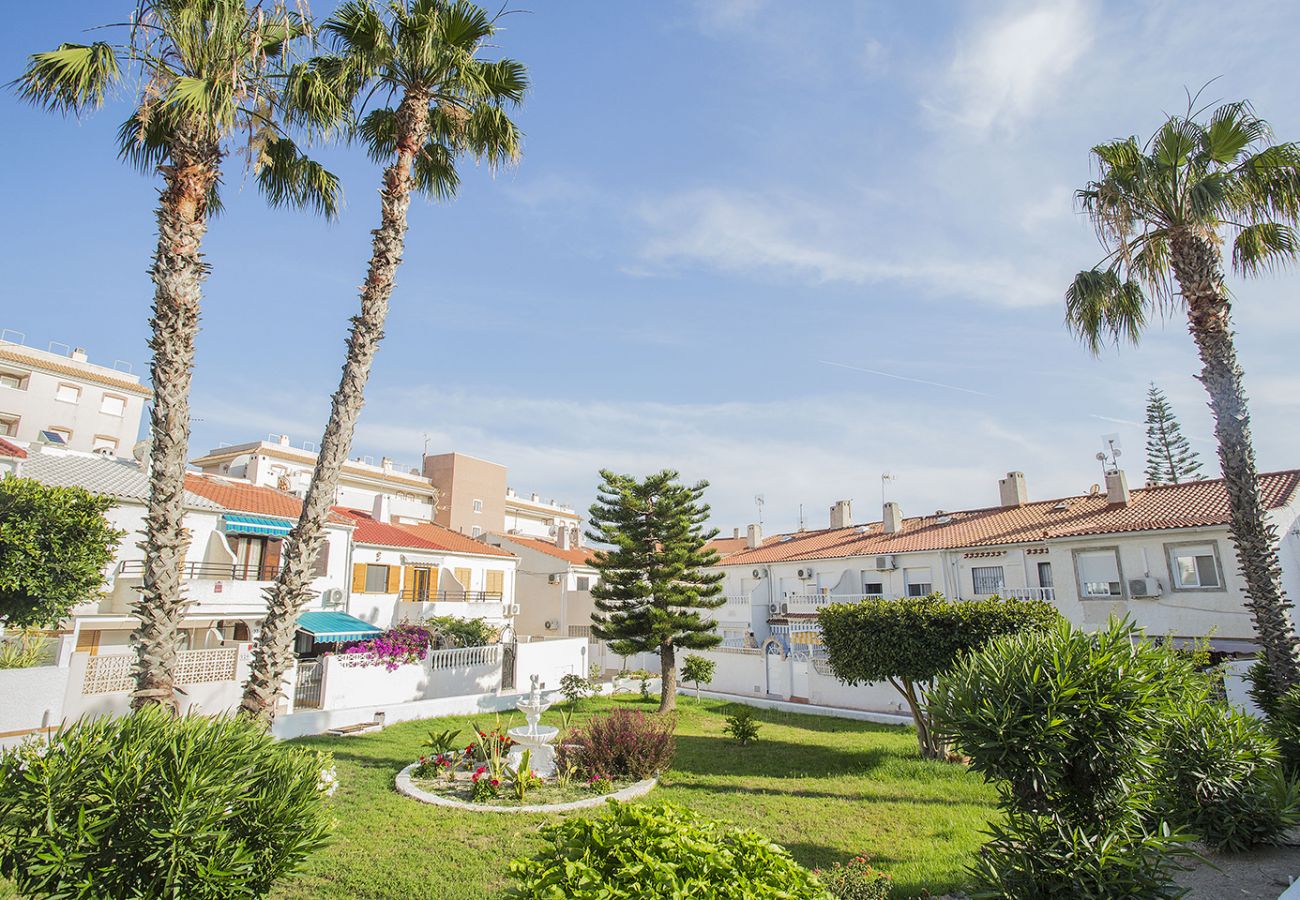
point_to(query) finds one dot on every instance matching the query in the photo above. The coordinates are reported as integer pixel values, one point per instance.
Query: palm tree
(1164, 212)
(443, 102)
(206, 72)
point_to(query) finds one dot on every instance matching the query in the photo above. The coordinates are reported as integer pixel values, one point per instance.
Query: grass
(827, 789)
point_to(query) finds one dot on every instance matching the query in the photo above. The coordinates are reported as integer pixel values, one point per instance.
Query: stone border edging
(407, 787)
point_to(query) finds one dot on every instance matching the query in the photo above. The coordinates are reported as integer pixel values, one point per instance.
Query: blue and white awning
(263, 525)
(333, 627)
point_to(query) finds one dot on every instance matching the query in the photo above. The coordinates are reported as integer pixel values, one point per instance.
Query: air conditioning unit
(785, 608)
(885, 563)
(757, 573)
(514, 609)
(554, 578)
(1143, 587)
(773, 608)
(806, 574)
(332, 598)
(552, 624)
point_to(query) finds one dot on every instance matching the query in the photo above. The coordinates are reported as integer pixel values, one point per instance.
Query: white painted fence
(778, 676)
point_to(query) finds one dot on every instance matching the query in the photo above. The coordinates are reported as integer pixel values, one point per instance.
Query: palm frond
(358, 31)
(70, 79)
(1267, 183)
(142, 140)
(1264, 246)
(318, 94)
(490, 135)
(378, 132)
(1233, 128)
(1102, 308)
(435, 172)
(287, 178)
(505, 80)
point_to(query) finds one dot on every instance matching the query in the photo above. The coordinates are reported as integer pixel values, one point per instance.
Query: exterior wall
(38, 410)
(549, 660)
(443, 673)
(534, 517)
(382, 609)
(461, 480)
(33, 698)
(542, 600)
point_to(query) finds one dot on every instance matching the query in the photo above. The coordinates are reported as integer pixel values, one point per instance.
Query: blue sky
(784, 247)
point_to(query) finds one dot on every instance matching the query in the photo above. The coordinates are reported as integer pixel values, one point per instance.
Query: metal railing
(1039, 593)
(422, 596)
(211, 571)
(307, 687)
(464, 657)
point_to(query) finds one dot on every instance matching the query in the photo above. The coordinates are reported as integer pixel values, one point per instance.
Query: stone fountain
(535, 738)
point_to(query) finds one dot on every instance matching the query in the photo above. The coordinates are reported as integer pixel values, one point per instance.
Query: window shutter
(495, 581)
(323, 559)
(359, 578)
(394, 579)
(462, 575)
(408, 583)
(433, 581)
(271, 561)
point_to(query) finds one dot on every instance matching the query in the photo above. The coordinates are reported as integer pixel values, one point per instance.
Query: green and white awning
(263, 525)
(332, 627)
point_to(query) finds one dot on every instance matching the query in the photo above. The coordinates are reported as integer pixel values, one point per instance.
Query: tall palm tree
(1164, 211)
(442, 102)
(204, 73)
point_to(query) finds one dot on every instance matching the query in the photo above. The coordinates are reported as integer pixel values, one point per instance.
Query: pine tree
(653, 587)
(1170, 460)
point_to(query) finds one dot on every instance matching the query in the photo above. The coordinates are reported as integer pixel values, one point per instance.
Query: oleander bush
(856, 879)
(151, 805)
(626, 744)
(648, 852)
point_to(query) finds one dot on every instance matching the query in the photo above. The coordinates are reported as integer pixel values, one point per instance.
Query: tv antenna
(885, 478)
(759, 501)
(1110, 454)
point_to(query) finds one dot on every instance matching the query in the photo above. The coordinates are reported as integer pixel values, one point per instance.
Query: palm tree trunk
(1198, 267)
(273, 654)
(178, 272)
(667, 678)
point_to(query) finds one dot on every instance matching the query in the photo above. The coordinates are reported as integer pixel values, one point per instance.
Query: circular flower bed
(476, 790)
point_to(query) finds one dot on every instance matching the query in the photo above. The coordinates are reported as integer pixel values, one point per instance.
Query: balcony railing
(1039, 593)
(814, 602)
(421, 596)
(211, 571)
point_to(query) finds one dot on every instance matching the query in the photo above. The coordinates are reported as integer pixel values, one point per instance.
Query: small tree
(652, 586)
(54, 547)
(909, 641)
(1170, 459)
(698, 670)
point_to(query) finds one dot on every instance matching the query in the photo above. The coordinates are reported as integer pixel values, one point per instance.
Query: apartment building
(476, 499)
(64, 399)
(1161, 555)
(553, 587)
(411, 497)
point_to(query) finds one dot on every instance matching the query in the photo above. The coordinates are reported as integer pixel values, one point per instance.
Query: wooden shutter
(359, 578)
(394, 579)
(323, 559)
(408, 584)
(496, 580)
(462, 575)
(88, 642)
(271, 561)
(433, 582)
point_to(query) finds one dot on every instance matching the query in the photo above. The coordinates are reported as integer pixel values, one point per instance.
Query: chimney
(1117, 488)
(735, 533)
(284, 440)
(1012, 490)
(562, 538)
(754, 536)
(78, 354)
(382, 510)
(387, 465)
(841, 514)
(892, 518)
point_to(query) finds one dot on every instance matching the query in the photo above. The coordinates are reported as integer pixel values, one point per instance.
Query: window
(322, 560)
(1045, 575)
(376, 579)
(584, 583)
(987, 579)
(874, 588)
(1098, 573)
(462, 576)
(494, 581)
(13, 380)
(919, 582)
(104, 442)
(475, 531)
(478, 506)
(1195, 567)
(8, 425)
(67, 393)
(112, 405)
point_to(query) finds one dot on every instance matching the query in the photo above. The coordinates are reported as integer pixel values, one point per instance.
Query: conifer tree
(653, 587)
(1170, 459)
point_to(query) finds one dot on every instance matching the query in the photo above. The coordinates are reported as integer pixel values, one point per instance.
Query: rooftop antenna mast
(801, 517)
(759, 501)
(885, 478)
(1110, 454)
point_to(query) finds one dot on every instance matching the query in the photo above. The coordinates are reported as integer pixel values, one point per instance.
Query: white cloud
(1011, 65)
(793, 240)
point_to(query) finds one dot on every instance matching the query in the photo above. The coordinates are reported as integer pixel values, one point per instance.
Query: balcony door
(1045, 575)
(423, 584)
(256, 558)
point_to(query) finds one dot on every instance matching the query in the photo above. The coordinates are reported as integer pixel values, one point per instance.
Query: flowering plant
(485, 787)
(443, 764)
(856, 880)
(601, 784)
(394, 648)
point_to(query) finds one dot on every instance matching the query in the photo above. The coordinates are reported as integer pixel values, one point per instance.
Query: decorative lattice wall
(109, 674)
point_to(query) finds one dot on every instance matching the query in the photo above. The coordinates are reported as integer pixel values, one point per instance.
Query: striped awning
(332, 627)
(264, 525)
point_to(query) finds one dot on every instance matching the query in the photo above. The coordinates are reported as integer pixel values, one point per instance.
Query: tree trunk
(273, 654)
(1197, 266)
(178, 272)
(926, 743)
(667, 678)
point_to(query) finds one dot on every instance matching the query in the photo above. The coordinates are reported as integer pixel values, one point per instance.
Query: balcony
(737, 608)
(418, 606)
(1038, 593)
(451, 596)
(209, 571)
(219, 589)
(811, 603)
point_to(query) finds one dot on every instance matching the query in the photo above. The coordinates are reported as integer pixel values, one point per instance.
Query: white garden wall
(550, 660)
(33, 698)
(443, 673)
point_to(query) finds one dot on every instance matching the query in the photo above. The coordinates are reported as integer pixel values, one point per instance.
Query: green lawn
(825, 788)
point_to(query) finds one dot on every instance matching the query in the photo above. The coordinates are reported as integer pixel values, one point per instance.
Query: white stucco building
(83, 406)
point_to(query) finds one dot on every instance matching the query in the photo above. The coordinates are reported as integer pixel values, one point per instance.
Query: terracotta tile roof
(576, 556)
(14, 353)
(8, 449)
(1197, 504)
(246, 497)
(417, 537)
(727, 546)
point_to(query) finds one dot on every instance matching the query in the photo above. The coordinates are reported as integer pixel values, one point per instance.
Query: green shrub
(574, 687)
(463, 632)
(1066, 724)
(1219, 777)
(856, 879)
(1283, 714)
(909, 641)
(742, 726)
(698, 670)
(626, 744)
(149, 805)
(637, 851)
(23, 648)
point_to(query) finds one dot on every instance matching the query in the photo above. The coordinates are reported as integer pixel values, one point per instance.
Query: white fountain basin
(537, 740)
